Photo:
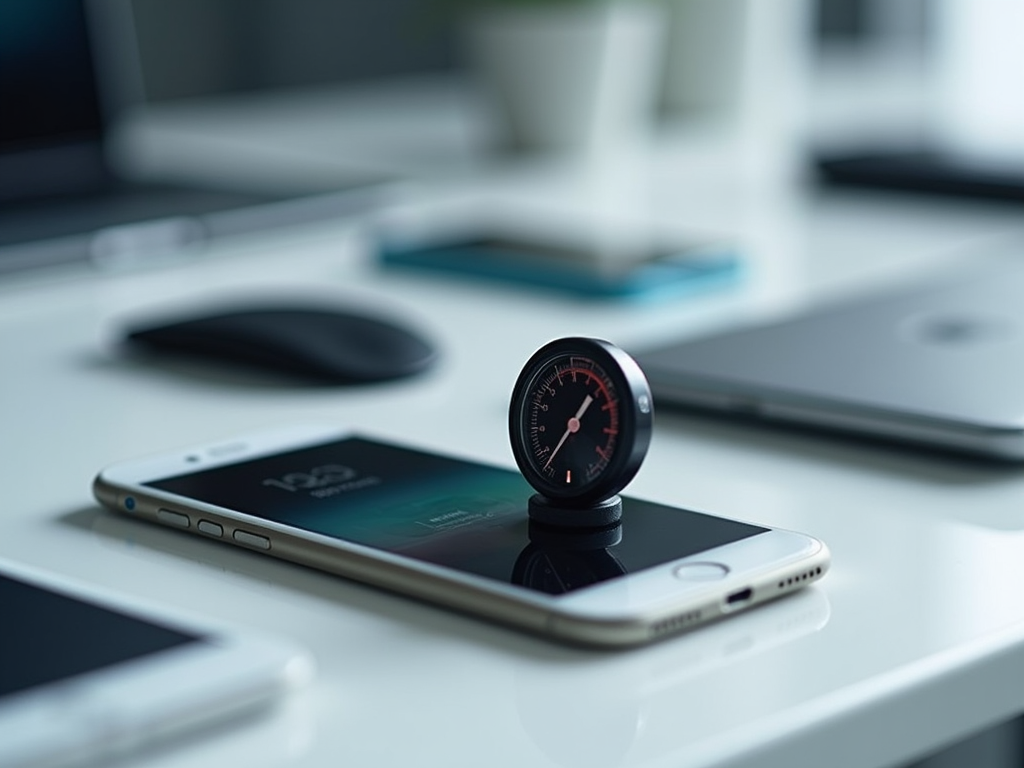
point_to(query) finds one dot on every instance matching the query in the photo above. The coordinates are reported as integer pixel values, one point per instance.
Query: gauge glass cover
(580, 420)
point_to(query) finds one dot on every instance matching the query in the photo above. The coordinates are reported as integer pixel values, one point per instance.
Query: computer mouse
(324, 344)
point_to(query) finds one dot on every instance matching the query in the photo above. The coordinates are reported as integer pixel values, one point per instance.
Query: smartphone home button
(701, 572)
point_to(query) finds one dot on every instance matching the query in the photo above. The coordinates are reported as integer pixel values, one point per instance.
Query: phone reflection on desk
(560, 560)
(593, 710)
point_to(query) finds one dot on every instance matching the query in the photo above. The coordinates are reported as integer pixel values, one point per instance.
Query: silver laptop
(939, 364)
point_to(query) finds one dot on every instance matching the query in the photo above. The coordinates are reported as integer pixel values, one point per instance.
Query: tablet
(86, 676)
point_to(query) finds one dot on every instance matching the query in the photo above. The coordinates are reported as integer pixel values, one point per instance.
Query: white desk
(914, 640)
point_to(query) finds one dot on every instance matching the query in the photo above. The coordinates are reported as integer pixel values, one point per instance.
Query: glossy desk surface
(915, 638)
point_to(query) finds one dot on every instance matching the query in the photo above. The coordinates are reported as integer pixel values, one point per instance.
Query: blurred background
(290, 97)
(804, 73)
(193, 48)
(796, 73)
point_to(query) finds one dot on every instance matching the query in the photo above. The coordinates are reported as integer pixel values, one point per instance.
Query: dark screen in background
(458, 514)
(48, 637)
(47, 88)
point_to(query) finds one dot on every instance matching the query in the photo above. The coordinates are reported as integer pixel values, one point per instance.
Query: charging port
(736, 599)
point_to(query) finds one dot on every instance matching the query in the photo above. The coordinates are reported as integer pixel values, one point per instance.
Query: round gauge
(580, 421)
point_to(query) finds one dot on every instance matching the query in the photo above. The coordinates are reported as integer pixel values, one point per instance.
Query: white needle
(571, 427)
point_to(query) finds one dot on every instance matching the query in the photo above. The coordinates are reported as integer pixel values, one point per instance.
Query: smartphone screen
(449, 512)
(49, 637)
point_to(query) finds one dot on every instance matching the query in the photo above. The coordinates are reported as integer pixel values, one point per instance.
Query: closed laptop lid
(944, 355)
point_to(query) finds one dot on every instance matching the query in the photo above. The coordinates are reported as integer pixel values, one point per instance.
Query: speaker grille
(793, 581)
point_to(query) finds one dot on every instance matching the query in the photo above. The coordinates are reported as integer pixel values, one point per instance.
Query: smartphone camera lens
(129, 503)
(192, 459)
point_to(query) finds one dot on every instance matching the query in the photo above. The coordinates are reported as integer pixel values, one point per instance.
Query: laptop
(938, 364)
(64, 66)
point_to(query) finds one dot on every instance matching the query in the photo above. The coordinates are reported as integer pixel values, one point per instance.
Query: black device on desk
(61, 199)
(315, 342)
(930, 171)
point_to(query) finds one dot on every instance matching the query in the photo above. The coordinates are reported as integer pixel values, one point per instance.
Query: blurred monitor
(60, 199)
(283, 44)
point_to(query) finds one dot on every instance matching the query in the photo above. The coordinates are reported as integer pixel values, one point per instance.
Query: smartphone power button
(701, 572)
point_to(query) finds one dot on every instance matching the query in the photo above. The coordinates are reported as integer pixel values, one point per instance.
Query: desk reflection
(598, 710)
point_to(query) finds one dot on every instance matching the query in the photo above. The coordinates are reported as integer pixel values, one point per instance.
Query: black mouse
(327, 345)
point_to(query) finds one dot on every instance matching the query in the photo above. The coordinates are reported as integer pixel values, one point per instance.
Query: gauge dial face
(580, 420)
(572, 421)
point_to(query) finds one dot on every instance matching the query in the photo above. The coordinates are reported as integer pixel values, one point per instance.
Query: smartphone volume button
(170, 517)
(210, 528)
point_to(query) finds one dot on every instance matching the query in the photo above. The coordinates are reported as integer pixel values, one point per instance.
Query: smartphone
(457, 533)
(668, 270)
(86, 676)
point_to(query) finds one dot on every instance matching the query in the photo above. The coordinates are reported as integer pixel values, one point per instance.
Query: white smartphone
(87, 676)
(457, 533)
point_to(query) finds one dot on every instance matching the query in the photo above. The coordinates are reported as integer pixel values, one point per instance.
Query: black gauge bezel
(636, 416)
